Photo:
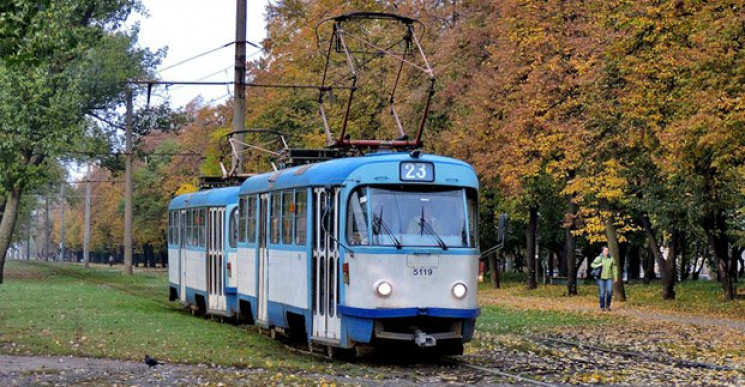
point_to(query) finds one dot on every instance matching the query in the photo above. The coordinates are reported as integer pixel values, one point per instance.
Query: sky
(189, 28)
(192, 27)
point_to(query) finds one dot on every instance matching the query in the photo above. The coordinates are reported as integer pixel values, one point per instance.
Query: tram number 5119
(423, 271)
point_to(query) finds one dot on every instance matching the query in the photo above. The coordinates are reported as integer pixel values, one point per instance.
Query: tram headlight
(459, 290)
(383, 288)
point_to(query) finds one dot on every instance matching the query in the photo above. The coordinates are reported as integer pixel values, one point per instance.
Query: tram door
(182, 254)
(326, 322)
(263, 259)
(216, 259)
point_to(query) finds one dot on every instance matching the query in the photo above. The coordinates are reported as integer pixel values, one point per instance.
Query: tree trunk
(715, 226)
(734, 258)
(619, 291)
(562, 254)
(2, 207)
(7, 224)
(685, 259)
(493, 270)
(570, 247)
(649, 273)
(530, 237)
(634, 262)
(668, 291)
(668, 271)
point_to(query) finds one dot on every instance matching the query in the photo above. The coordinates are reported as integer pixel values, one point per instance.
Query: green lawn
(700, 297)
(63, 309)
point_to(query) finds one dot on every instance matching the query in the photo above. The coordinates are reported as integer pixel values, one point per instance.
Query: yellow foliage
(185, 188)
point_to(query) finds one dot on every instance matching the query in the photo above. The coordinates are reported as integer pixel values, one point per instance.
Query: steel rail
(500, 373)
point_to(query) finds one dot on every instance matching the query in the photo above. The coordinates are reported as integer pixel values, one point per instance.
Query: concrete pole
(239, 84)
(87, 225)
(128, 190)
(62, 221)
(47, 226)
(28, 242)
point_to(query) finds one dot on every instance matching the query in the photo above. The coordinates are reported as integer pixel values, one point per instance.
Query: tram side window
(173, 228)
(195, 229)
(170, 227)
(251, 218)
(274, 216)
(242, 209)
(357, 218)
(189, 227)
(288, 208)
(301, 205)
(472, 201)
(200, 228)
(233, 228)
(194, 240)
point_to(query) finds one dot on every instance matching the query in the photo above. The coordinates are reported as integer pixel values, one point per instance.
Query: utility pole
(28, 242)
(239, 85)
(62, 221)
(128, 189)
(87, 226)
(47, 231)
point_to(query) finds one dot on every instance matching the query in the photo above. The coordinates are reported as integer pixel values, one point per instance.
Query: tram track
(499, 373)
(658, 358)
(450, 360)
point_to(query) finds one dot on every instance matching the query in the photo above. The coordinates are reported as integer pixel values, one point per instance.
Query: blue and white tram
(362, 251)
(202, 250)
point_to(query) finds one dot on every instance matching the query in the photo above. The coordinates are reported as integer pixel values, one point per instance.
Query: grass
(702, 298)
(62, 309)
(498, 320)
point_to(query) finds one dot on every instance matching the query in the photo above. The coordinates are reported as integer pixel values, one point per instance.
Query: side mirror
(502, 227)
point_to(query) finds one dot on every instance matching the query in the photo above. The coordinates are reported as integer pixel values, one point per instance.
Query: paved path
(684, 319)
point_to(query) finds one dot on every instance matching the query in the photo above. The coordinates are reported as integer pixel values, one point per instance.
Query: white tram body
(343, 253)
(202, 250)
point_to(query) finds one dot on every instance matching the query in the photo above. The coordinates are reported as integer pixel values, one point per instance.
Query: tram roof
(218, 197)
(335, 171)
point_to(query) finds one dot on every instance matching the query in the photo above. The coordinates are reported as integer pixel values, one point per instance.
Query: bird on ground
(151, 362)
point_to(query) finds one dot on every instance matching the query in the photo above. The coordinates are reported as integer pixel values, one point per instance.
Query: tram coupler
(423, 340)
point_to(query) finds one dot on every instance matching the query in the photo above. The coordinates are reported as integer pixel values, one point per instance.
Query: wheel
(452, 347)
(337, 353)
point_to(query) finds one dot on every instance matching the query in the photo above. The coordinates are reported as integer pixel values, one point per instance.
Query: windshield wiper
(379, 224)
(426, 227)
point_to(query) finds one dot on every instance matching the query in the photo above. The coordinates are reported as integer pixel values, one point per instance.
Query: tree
(59, 61)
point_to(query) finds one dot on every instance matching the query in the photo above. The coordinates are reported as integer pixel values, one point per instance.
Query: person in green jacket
(607, 276)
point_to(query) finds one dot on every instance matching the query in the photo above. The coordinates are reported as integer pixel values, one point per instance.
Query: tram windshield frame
(412, 216)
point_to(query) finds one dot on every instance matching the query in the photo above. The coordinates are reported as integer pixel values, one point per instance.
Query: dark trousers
(606, 292)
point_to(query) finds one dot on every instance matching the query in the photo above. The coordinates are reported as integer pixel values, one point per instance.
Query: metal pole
(128, 190)
(62, 222)
(87, 226)
(239, 89)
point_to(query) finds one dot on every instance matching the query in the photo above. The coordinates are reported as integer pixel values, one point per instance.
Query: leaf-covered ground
(569, 340)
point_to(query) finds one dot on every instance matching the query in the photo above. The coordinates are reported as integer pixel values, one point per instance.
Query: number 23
(421, 171)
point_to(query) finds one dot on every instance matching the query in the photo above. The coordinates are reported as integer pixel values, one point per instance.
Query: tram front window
(401, 217)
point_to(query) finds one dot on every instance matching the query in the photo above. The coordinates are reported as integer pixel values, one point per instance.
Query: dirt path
(62, 370)
(81, 371)
(701, 321)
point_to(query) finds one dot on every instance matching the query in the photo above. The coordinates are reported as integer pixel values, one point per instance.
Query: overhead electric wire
(160, 154)
(206, 53)
(196, 56)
